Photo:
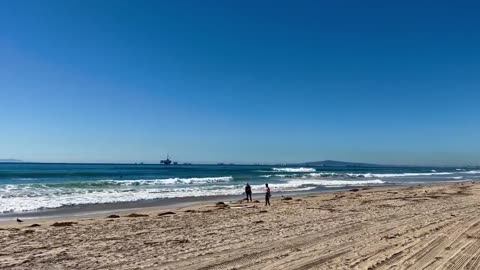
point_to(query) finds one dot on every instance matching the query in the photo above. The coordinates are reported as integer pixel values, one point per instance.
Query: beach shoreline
(370, 228)
(41, 190)
(88, 210)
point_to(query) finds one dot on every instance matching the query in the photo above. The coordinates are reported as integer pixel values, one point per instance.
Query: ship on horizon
(168, 161)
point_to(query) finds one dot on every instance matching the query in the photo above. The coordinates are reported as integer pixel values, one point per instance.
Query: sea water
(33, 186)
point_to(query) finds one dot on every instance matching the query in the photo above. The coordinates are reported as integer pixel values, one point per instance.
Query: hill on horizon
(335, 163)
(10, 160)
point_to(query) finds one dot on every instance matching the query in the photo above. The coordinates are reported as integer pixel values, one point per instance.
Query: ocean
(33, 187)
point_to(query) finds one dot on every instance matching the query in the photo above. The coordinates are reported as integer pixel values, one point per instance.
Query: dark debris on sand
(166, 214)
(64, 224)
(221, 205)
(134, 215)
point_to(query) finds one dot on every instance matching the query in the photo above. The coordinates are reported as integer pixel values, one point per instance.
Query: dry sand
(434, 227)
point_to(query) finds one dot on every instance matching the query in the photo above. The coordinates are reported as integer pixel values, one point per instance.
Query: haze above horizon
(241, 82)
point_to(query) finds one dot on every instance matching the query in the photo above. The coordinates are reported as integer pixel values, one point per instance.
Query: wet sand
(422, 227)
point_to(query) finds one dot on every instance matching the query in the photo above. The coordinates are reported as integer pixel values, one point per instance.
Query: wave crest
(171, 181)
(301, 169)
(337, 183)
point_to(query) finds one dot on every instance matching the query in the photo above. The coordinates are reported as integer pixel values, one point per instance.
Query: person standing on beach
(267, 195)
(248, 192)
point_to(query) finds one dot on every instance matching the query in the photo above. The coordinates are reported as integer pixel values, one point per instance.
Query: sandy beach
(421, 227)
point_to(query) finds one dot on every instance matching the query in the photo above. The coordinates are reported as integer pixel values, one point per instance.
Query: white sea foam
(39, 200)
(294, 169)
(370, 175)
(27, 199)
(420, 174)
(170, 181)
(472, 172)
(382, 175)
(18, 198)
(326, 174)
(336, 183)
(304, 184)
(433, 173)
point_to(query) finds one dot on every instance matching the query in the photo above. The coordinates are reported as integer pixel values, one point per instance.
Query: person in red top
(267, 195)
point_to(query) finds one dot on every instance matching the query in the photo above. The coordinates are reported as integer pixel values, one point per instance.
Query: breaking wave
(382, 175)
(170, 181)
(336, 183)
(294, 169)
(29, 197)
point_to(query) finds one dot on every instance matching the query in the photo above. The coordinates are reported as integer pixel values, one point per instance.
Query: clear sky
(240, 81)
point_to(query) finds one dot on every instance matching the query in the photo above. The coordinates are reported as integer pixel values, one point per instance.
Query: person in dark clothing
(267, 195)
(248, 192)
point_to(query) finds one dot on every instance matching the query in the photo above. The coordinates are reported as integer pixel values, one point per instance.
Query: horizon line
(235, 164)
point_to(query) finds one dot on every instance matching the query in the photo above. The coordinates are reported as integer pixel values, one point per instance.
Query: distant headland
(10, 160)
(335, 163)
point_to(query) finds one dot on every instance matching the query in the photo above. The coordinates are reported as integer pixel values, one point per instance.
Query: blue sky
(240, 81)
